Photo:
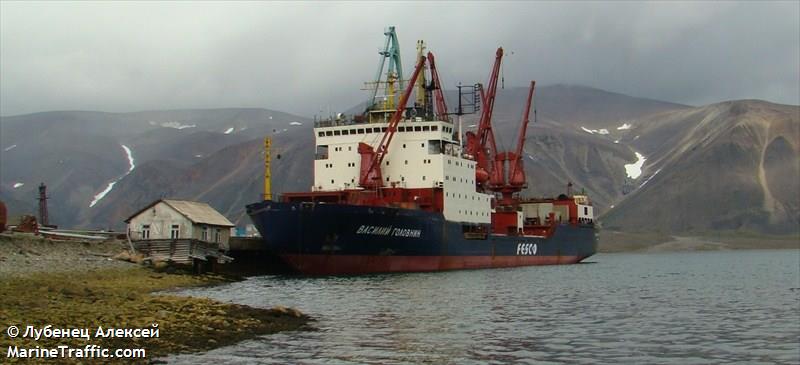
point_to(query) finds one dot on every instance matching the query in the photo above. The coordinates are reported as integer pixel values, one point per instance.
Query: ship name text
(389, 231)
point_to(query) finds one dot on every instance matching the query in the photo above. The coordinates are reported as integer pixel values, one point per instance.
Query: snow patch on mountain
(229, 130)
(9, 148)
(295, 123)
(131, 166)
(17, 185)
(650, 178)
(593, 131)
(634, 170)
(176, 125)
(624, 126)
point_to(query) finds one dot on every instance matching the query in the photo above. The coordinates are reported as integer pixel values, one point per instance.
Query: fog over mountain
(306, 57)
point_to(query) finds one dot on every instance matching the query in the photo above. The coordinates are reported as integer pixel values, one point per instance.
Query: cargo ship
(400, 188)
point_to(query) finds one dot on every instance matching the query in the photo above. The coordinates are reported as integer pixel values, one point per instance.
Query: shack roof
(197, 212)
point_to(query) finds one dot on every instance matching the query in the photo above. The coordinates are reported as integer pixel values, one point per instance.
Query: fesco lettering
(527, 249)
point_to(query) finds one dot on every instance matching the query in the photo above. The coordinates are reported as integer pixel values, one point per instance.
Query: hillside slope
(726, 166)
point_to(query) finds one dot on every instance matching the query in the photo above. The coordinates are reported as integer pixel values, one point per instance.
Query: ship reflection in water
(674, 308)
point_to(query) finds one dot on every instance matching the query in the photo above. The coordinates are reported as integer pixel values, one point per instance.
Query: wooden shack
(180, 231)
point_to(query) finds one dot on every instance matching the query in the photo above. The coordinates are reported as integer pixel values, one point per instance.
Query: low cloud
(307, 57)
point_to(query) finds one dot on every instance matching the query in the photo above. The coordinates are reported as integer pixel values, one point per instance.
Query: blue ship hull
(339, 239)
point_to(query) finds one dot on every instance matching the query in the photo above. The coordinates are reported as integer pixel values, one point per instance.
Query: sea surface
(660, 308)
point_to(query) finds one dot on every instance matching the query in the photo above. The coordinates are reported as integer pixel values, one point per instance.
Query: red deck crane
(516, 175)
(370, 175)
(481, 145)
(438, 95)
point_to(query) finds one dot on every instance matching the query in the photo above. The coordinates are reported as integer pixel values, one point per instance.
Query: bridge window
(426, 128)
(337, 133)
(352, 131)
(401, 129)
(321, 134)
(417, 129)
(383, 129)
(344, 132)
(328, 133)
(435, 128)
(361, 131)
(434, 147)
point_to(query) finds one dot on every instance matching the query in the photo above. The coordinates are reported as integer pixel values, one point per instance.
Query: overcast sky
(302, 58)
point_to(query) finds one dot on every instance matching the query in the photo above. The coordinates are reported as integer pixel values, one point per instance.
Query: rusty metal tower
(43, 218)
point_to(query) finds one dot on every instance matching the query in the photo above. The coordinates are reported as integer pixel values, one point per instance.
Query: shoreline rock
(76, 293)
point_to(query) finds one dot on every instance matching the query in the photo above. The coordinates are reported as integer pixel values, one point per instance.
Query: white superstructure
(422, 155)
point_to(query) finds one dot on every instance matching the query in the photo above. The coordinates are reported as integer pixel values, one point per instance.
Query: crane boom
(391, 50)
(481, 145)
(516, 176)
(438, 95)
(370, 174)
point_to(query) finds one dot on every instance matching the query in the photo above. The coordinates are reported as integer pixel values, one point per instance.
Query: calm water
(673, 308)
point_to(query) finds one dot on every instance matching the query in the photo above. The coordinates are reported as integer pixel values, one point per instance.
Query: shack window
(204, 234)
(175, 231)
(585, 210)
(145, 231)
(217, 235)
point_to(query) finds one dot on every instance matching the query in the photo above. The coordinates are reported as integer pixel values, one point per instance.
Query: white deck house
(180, 219)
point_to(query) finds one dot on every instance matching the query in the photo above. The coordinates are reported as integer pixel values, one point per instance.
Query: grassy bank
(122, 298)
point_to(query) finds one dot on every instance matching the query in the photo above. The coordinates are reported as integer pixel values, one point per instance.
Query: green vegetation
(122, 298)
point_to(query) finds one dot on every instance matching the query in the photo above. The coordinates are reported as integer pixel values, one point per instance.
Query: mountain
(729, 166)
(726, 166)
(79, 153)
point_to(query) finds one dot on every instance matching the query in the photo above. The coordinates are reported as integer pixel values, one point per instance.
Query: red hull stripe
(363, 264)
